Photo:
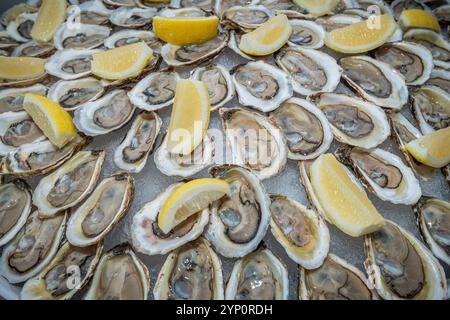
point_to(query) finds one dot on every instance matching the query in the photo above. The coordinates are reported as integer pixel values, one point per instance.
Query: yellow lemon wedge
(344, 202)
(268, 37)
(362, 36)
(432, 149)
(55, 122)
(121, 63)
(417, 18)
(190, 117)
(185, 31)
(190, 198)
(317, 7)
(52, 14)
(21, 68)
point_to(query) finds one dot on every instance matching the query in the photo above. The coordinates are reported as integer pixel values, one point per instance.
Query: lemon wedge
(123, 62)
(268, 37)
(345, 204)
(417, 18)
(190, 198)
(317, 7)
(185, 31)
(55, 122)
(51, 14)
(432, 149)
(21, 68)
(190, 117)
(362, 36)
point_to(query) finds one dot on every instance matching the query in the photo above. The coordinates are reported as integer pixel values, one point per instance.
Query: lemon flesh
(417, 18)
(268, 37)
(185, 31)
(121, 63)
(432, 149)
(362, 36)
(343, 201)
(55, 122)
(317, 7)
(21, 68)
(52, 14)
(191, 198)
(190, 117)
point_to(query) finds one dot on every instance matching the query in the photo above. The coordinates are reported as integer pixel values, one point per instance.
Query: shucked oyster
(104, 115)
(246, 18)
(12, 99)
(382, 173)
(401, 267)
(206, 5)
(307, 131)
(133, 151)
(258, 276)
(103, 209)
(255, 141)
(261, 85)
(306, 34)
(132, 17)
(58, 281)
(191, 272)
(238, 222)
(32, 248)
(70, 184)
(85, 36)
(334, 280)
(178, 56)
(20, 27)
(70, 64)
(301, 231)
(353, 121)
(33, 49)
(311, 71)
(433, 218)
(220, 6)
(120, 275)
(439, 78)
(130, 36)
(413, 61)
(431, 107)
(89, 12)
(155, 91)
(15, 206)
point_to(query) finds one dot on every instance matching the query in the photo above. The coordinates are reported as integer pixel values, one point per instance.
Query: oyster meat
(20, 28)
(85, 36)
(306, 34)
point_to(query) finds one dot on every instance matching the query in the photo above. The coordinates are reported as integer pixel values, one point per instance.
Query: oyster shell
(258, 276)
(233, 44)
(254, 141)
(439, 47)
(311, 71)
(191, 272)
(433, 218)
(238, 222)
(104, 115)
(287, 7)
(413, 61)
(120, 275)
(301, 231)
(189, 12)
(383, 174)
(439, 78)
(192, 54)
(431, 108)
(14, 11)
(89, 12)
(17, 129)
(130, 36)
(103, 209)
(149, 239)
(132, 17)
(398, 6)
(401, 267)
(33, 49)
(133, 151)
(218, 82)
(12, 99)
(442, 13)
(73, 93)
(70, 184)
(155, 91)
(375, 81)
(85, 36)
(261, 85)
(331, 22)
(70, 64)
(20, 28)
(334, 280)
(220, 6)
(306, 34)
(308, 133)
(206, 5)
(7, 42)
(39, 157)
(185, 165)
(15, 207)
(123, 3)
(353, 121)
(246, 18)
(55, 281)
(33, 247)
